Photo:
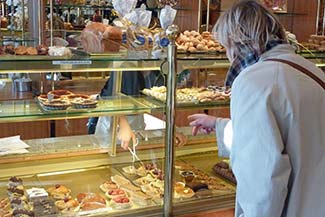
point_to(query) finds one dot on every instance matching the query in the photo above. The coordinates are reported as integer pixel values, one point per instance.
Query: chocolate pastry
(15, 179)
(19, 190)
(45, 208)
(223, 169)
(42, 50)
(9, 49)
(197, 186)
(23, 213)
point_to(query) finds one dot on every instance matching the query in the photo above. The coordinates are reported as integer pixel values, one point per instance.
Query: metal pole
(199, 16)
(317, 17)
(23, 26)
(12, 9)
(117, 82)
(172, 33)
(208, 16)
(40, 24)
(51, 21)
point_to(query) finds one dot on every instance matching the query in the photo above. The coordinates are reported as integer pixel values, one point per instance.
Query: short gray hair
(248, 22)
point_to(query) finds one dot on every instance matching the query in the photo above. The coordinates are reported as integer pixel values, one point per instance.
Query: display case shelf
(30, 110)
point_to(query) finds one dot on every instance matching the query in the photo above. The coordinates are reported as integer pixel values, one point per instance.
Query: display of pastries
(315, 42)
(190, 95)
(63, 99)
(23, 50)
(59, 192)
(193, 41)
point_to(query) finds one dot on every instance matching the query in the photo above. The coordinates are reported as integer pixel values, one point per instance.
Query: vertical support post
(317, 17)
(208, 16)
(23, 26)
(172, 33)
(39, 22)
(12, 30)
(51, 22)
(117, 81)
(199, 16)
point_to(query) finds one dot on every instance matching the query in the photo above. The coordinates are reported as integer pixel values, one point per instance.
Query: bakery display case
(56, 164)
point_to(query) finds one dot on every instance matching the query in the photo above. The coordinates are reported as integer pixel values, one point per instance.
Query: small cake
(108, 185)
(34, 194)
(14, 181)
(45, 207)
(59, 192)
(115, 193)
(16, 191)
(121, 203)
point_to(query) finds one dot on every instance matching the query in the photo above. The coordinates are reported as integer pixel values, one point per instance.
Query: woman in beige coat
(276, 136)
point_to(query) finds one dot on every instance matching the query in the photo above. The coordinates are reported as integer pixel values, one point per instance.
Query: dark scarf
(246, 57)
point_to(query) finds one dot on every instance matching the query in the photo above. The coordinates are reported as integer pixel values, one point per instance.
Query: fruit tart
(115, 193)
(121, 203)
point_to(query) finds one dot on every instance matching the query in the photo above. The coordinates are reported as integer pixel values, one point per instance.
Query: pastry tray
(193, 103)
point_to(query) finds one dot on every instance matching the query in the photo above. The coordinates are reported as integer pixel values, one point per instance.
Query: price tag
(71, 62)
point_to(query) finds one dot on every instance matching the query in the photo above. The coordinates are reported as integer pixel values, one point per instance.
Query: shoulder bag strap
(302, 69)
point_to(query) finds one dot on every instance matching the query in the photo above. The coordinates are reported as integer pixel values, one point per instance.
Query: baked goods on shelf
(45, 208)
(315, 42)
(98, 37)
(63, 99)
(91, 201)
(23, 50)
(5, 209)
(223, 169)
(121, 203)
(59, 192)
(213, 183)
(34, 194)
(67, 204)
(193, 41)
(113, 193)
(190, 95)
(59, 51)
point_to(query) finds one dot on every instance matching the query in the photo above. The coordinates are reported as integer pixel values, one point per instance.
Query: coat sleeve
(224, 136)
(260, 164)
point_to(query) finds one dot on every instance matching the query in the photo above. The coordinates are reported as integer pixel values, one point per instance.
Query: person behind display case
(276, 135)
(132, 84)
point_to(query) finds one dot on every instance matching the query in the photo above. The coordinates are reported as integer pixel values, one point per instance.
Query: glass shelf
(30, 110)
(122, 61)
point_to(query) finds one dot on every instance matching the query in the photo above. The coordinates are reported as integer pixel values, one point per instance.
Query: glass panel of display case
(31, 110)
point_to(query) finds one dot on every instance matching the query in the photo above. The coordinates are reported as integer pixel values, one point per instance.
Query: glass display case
(60, 162)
